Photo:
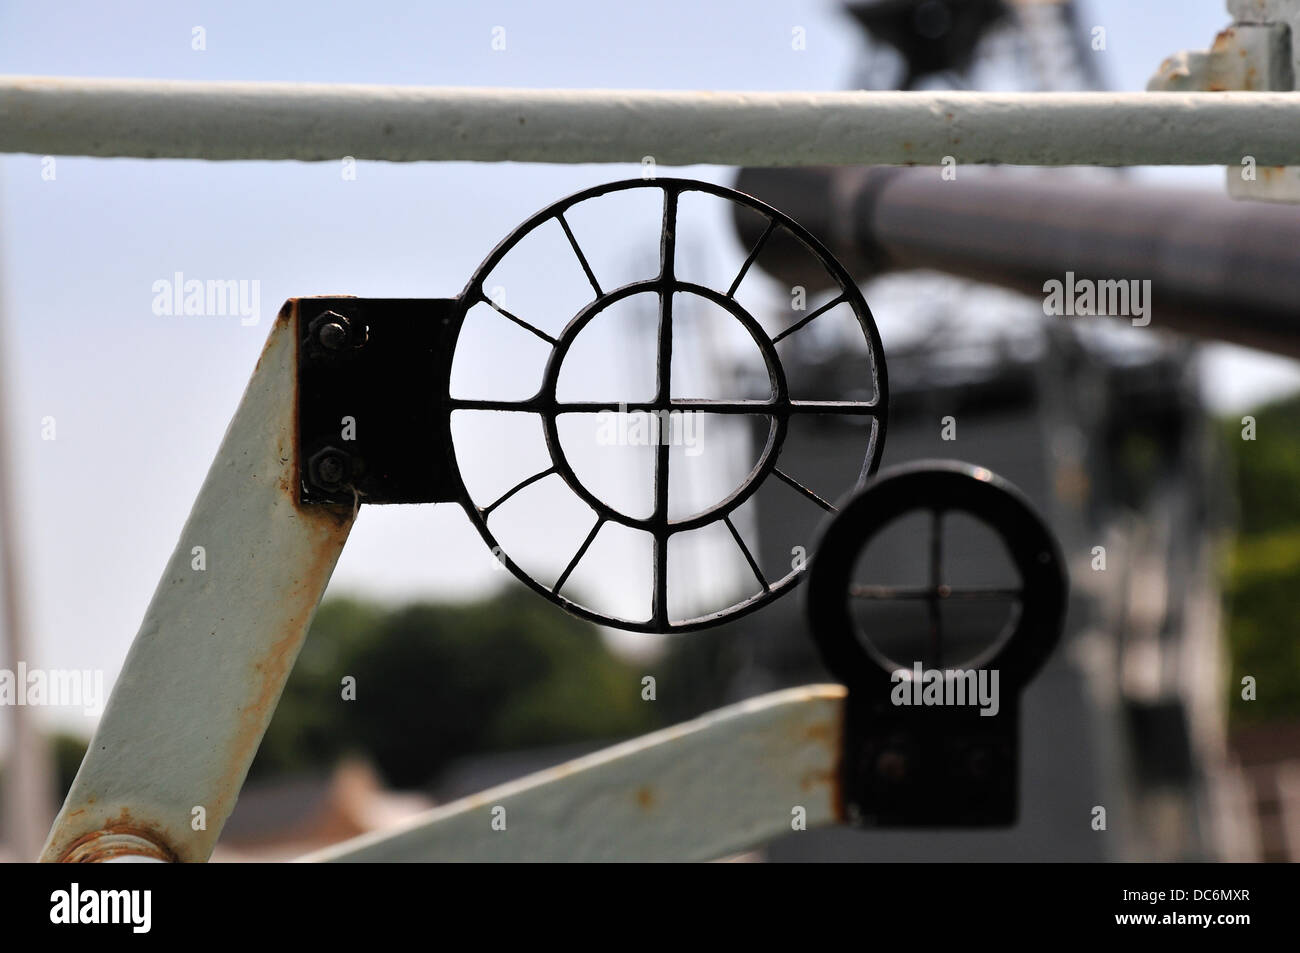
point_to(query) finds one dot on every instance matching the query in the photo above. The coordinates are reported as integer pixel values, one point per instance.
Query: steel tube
(229, 120)
(1218, 268)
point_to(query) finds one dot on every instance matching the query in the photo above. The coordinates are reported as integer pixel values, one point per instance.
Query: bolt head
(330, 468)
(333, 336)
(332, 330)
(330, 333)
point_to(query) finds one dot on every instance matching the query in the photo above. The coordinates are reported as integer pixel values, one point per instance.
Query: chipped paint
(116, 840)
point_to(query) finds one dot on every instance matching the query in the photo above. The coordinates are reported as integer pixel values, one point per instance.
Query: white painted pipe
(203, 120)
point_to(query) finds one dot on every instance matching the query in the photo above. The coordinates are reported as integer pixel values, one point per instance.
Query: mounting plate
(373, 426)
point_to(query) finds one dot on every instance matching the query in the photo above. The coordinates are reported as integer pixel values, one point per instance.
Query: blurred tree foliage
(1263, 580)
(435, 682)
(67, 751)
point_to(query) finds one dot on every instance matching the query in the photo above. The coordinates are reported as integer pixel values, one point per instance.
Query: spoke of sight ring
(803, 489)
(808, 317)
(664, 375)
(668, 238)
(521, 322)
(707, 405)
(660, 607)
(515, 489)
(704, 405)
(936, 575)
(749, 557)
(850, 408)
(577, 557)
(661, 502)
(529, 406)
(582, 259)
(758, 247)
(655, 406)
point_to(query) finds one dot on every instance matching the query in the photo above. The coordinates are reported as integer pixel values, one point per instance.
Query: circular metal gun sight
(936, 488)
(778, 408)
(935, 744)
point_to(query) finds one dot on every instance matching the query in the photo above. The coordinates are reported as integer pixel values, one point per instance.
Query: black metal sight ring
(937, 487)
(389, 361)
(779, 408)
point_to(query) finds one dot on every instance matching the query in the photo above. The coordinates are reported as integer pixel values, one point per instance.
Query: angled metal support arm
(715, 786)
(218, 641)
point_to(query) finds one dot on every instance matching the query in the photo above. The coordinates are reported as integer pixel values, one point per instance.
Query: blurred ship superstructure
(1105, 431)
(1110, 441)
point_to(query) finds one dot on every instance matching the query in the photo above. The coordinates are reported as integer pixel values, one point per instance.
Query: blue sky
(141, 401)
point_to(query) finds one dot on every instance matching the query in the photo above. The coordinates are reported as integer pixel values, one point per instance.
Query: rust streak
(111, 841)
(820, 731)
(271, 670)
(814, 779)
(837, 766)
(329, 527)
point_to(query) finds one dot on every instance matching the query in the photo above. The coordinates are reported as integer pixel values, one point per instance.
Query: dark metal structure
(1218, 268)
(932, 36)
(947, 765)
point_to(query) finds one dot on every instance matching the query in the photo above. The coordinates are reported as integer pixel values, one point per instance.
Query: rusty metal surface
(1255, 54)
(206, 670)
(702, 790)
(1250, 58)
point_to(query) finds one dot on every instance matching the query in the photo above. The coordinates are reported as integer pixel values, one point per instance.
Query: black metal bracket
(373, 422)
(930, 767)
(907, 761)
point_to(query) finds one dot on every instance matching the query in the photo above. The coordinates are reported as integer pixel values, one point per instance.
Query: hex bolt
(330, 471)
(334, 333)
(330, 468)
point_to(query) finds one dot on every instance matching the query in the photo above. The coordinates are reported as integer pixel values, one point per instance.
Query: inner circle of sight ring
(775, 408)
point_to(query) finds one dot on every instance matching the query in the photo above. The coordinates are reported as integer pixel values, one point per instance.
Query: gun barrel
(1218, 268)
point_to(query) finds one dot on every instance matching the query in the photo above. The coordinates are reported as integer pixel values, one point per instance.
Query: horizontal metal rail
(305, 121)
